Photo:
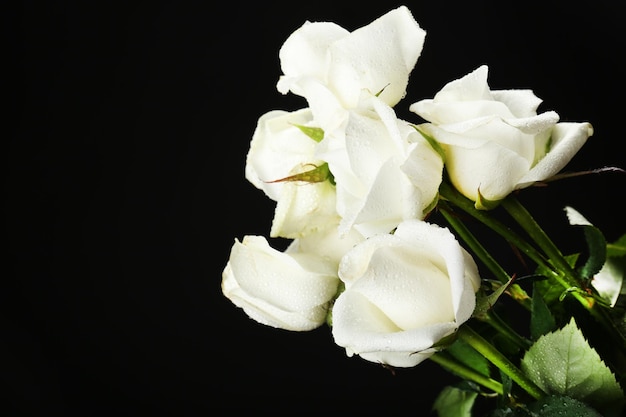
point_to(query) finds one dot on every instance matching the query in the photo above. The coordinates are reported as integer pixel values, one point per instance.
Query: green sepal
(341, 287)
(445, 342)
(433, 143)
(483, 204)
(381, 91)
(484, 302)
(315, 133)
(431, 206)
(317, 174)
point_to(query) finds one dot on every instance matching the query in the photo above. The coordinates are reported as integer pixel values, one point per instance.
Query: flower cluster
(355, 187)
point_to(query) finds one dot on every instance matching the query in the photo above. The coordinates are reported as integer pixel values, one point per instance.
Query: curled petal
(521, 103)
(424, 168)
(567, 139)
(404, 292)
(304, 208)
(377, 57)
(305, 53)
(285, 290)
(360, 327)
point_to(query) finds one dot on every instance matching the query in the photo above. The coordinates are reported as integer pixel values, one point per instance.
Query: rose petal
(289, 291)
(378, 57)
(567, 139)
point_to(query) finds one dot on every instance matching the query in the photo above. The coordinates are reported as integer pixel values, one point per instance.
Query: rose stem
(457, 368)
(498, 359)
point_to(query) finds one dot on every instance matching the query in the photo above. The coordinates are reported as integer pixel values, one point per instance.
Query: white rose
(404, 292)
(291, 291)
(494, 141)
(330, 66)
(278, 150)
(385, 171)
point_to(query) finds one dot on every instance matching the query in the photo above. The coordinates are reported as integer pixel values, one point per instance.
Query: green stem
(536, 232)
(446, 361)
(479, 250)
(563, 274)
(507, 331)
(498, 359)
(451, 194)
(474, 245)
(567, 276)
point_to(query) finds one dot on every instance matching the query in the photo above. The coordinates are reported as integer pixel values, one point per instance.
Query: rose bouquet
(381, 217)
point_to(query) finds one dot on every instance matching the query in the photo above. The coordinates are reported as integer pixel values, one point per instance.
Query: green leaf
(597, 252)
(562, 406)
(454, 402)
(541, 318)
(562, 363)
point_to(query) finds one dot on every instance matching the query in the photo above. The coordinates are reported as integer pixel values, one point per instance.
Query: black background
(124, 191)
